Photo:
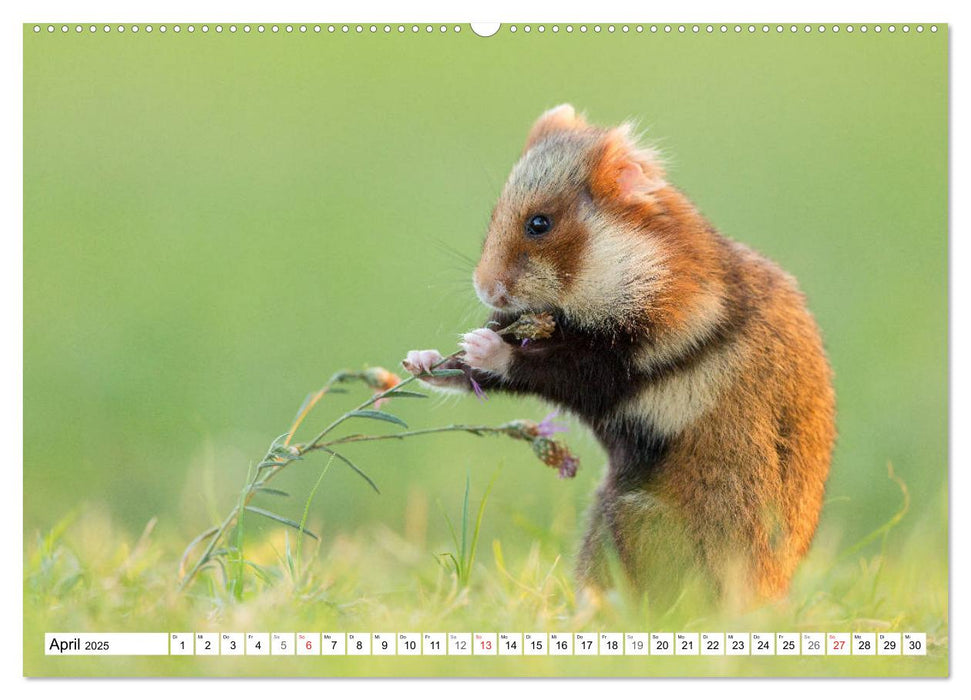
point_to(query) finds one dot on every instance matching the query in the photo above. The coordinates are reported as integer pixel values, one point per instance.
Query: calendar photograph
(485, 350)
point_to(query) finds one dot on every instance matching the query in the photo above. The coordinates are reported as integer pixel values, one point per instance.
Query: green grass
(461, 560)
(86, 574)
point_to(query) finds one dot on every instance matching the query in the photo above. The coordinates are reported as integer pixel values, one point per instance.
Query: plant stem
(213, 541)
(474, 429)
(371, 401)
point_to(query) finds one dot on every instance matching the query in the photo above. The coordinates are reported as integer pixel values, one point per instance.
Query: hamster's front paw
(486, 350)
(420, 361)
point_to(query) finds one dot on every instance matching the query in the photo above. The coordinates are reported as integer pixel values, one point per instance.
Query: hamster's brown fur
(692, 359)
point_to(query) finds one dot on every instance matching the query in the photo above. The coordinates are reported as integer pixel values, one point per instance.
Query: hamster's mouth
(509, 306)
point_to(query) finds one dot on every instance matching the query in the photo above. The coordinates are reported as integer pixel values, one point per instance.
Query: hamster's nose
(492, 294)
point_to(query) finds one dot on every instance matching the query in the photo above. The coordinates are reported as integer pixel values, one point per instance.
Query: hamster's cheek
(539, 286)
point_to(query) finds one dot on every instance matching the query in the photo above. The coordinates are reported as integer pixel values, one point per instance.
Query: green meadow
(215, 223)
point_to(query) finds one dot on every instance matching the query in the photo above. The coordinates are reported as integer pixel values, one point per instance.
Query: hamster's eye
(538, 225)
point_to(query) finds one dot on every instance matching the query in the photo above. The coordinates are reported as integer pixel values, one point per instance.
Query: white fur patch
(446, 389)
(621, 269)
(678, 400)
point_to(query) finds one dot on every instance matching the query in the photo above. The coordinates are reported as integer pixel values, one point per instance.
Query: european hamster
(692, 359)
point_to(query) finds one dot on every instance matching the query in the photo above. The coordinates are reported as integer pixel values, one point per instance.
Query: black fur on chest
(592, 375)
(635, 451)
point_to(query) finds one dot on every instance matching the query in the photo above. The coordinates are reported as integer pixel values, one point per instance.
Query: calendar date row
(488, 644)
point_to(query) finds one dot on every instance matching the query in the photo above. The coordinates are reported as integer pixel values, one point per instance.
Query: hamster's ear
(626, 171)
(562, 118)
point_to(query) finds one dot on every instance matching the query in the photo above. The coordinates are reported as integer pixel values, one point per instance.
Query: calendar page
(492, 350)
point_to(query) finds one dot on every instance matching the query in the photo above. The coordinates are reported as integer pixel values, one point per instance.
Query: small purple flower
(547, 427)
(524, 343)
(478, 390)
(568, 467)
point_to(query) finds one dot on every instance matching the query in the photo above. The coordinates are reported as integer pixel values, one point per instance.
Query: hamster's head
(568, 233)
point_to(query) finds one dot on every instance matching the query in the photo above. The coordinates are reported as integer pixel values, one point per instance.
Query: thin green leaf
(280, 519)
(260, 571)
(188, 550)
(279, 441)
(353, 466)
(404, 393)
(276, 463)
(377, 415)
(445, 372)
(273, 492)
(212, 564)
(306, 507)
(478, 519)
(451, 527)
(458, 569)
(300, 410)
(289, 557)
(238, 568)
(465, 516)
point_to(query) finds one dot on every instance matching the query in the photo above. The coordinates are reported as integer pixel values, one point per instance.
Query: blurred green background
(214, 223)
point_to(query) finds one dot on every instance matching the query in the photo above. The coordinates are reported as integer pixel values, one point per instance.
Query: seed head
(531, 327)
(381, 379)
(556, 455)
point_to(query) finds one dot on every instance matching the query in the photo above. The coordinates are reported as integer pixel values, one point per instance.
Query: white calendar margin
(11, 425)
